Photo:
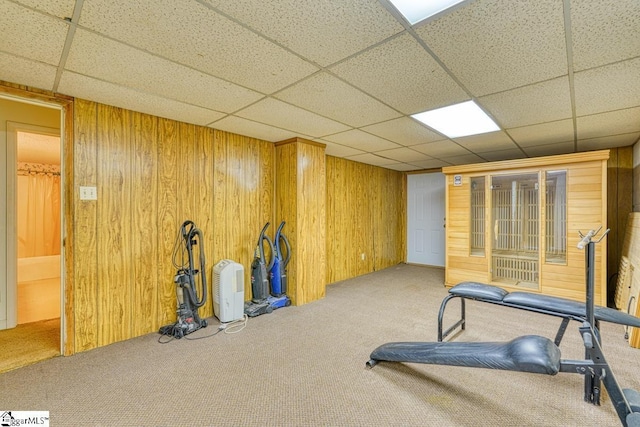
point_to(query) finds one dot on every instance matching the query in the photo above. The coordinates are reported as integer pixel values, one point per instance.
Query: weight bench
(545, 304)
(531, 353)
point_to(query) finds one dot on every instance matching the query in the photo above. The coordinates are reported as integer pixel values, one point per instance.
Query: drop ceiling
(557, 76)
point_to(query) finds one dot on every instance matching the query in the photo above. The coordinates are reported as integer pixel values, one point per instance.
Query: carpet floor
(305, 366)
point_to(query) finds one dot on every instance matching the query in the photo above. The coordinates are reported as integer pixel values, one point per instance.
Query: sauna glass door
(515, 230)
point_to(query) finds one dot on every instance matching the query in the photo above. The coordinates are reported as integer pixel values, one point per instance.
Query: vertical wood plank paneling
(220, 208)
(619, 205)
(331, 217)
(168, 223)
(85, 222)
(251, 200)
(241, 235)
(286, 207)
(68, 233)
(311, 214)
(114, 271)
(243, 200)
(204, 182)
(366, 214)
(612, 190)
(144, 227)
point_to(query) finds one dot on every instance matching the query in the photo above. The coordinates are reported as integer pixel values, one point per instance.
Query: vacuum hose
(185, 279)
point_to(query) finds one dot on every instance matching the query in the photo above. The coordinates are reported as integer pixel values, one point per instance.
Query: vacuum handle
(273, 252)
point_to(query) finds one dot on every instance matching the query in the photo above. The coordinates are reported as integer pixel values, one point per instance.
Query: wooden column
(300, 202)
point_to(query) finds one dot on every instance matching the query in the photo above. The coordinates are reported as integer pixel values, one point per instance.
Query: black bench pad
(529, 353)
(526, 300)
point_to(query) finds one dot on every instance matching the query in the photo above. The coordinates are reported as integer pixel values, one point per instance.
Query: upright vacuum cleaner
(278, 273)
(185, 279)
(259, 303)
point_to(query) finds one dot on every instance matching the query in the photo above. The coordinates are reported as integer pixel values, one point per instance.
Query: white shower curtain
(38, 210)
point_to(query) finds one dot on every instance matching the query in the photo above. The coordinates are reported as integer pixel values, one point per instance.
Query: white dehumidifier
(228, 291)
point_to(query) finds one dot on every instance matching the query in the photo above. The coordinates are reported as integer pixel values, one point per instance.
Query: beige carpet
(305, 366)
(29, 343)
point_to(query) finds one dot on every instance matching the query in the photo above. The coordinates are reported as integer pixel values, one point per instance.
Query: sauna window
(516, 230)
(477, 215)
(556, 217)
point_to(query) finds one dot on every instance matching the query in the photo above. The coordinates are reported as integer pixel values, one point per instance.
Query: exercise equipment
(544, 304)
(278, 272)
(532, 353)
(188, 320)
(260, 268)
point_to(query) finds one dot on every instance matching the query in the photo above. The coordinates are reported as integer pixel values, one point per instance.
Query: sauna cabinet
(515, 223)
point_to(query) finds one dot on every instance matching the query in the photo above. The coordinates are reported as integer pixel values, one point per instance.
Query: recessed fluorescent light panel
(458, 120)
(418, 10)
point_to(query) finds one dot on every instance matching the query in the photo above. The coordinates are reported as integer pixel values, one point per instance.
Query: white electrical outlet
(362, 256)
(88, 193)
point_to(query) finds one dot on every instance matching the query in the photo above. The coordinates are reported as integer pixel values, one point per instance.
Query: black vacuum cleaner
(260, 268)
(185, 279)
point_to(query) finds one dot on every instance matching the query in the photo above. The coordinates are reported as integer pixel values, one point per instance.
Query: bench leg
(460, 323)
(561, 331)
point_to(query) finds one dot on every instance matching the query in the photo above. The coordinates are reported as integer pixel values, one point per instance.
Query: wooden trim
(421, 171)
(300, 140)
(534, 162)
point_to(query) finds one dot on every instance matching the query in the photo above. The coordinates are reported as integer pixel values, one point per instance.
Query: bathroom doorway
(34, 284)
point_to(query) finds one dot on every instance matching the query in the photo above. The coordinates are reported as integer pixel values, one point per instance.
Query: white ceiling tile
(611, 123)
(612, 87)
(496, 156)
(402, 74)
(96, 56)
(464, 159)
(338, 150)
(59, 8)
(31, 34)
(550, 149)
(193, 34)
(344, 27)
(604, 32)
(537, 103)
(333, 98)
(485, 142)
(608, 142)
(107, 93)
(38, 148)
(403, 154)
(543, 133)
(404, 131)
(26, 72)
(402, 167)
(253, 129)
(430, 164)
(282, 115)
(441, 149)
(361, 140)
(371, 159)
(499, 44)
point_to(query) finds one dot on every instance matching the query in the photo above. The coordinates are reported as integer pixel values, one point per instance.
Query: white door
(425, 219)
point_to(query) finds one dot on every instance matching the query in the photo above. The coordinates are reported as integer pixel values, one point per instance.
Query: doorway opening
(34, 282)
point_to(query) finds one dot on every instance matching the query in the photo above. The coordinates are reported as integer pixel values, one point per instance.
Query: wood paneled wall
(619, 206)
(151, 175)
(301, 198)
(366, 214)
